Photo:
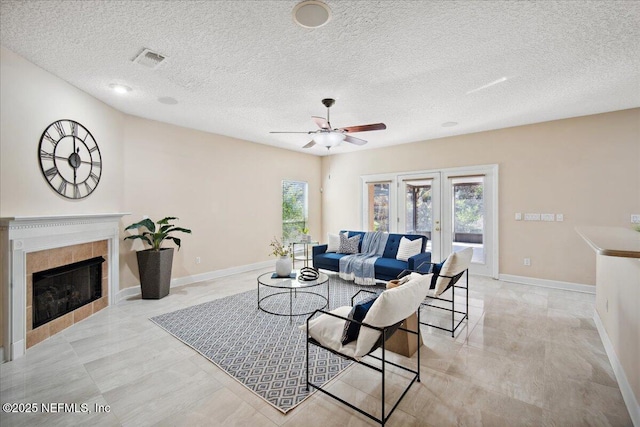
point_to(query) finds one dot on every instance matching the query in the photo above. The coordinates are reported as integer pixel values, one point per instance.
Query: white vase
(283, 266)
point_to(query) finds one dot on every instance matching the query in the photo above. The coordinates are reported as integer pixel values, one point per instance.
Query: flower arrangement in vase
(283, 263)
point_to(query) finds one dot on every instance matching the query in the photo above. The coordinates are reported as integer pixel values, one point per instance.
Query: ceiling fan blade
(364, 128)
(309, 144)
(290, 132)
(354, 140)
(321, 122)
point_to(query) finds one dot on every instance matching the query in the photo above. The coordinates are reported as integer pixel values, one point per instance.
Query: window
(378, 206)
(294, 210)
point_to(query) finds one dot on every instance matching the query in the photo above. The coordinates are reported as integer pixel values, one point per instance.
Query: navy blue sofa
(387, 267)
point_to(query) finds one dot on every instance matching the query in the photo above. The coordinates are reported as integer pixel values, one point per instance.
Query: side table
(304, 257)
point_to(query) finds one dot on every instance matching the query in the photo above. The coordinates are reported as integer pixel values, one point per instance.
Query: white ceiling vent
(149, 59)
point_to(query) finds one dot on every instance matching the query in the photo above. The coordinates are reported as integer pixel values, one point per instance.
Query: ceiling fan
(328, 137)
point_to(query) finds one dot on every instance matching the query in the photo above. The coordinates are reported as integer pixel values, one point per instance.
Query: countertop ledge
(612, 241)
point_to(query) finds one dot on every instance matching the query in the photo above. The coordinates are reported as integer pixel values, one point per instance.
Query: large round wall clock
(70, 159)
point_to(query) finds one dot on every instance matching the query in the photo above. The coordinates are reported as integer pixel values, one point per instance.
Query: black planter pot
(155, 272)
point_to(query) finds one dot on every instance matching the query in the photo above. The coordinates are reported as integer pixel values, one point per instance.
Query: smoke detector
(149, 59)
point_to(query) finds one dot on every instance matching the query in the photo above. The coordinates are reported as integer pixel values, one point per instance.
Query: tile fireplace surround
(20, 236)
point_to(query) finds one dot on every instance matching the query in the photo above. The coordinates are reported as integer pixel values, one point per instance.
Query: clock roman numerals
(46, 155)
(51, 172)
(50, 139)
(62, 188)
(70, 159)
(60, 128)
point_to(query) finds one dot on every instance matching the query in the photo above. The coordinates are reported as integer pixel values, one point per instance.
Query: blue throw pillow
(436, 273)
(357, 313)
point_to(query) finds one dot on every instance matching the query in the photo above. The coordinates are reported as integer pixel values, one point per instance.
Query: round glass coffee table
(310, 291)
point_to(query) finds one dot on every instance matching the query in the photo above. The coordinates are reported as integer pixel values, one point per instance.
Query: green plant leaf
(141, 237)
(184, 230)
(147, 223)
(166, 220)
(176, 241)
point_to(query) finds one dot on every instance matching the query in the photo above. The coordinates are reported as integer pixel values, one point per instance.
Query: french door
(455, 209)
(419, 209)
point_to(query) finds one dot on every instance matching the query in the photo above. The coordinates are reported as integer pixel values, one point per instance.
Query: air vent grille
(149, 59)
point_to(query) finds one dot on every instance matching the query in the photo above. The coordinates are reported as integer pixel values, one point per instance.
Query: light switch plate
(559, 217)
(532, 217)
(518, 216)
(548, 217)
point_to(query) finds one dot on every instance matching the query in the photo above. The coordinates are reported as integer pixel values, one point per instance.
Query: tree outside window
(294, 210)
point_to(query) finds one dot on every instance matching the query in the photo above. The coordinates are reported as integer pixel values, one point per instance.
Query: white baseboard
(187, 280)
(555, 284)
(625, 388)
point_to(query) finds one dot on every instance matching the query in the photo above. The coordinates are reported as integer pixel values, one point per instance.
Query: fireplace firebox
(60, 290)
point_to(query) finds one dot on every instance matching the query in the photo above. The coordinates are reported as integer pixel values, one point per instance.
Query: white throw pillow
(456, 263)
(333, 242)
(392, 306)
(408, 248)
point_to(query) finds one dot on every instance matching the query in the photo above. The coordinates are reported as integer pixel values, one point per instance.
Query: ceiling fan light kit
(328, 139)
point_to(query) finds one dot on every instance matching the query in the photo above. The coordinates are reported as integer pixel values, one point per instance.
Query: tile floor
(528, 356)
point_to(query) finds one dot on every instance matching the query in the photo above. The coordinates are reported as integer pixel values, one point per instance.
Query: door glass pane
(468, 216)
(378, 210)
(419, 208)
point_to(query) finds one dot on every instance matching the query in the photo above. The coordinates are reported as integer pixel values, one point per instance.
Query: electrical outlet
(518, 216)
(198, 260)
(559, 217)
(527, 262)
(548, 217)
(635, 219)
(532, 217)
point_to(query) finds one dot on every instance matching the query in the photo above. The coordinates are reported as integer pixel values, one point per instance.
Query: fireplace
(61, 290)
(30, 245)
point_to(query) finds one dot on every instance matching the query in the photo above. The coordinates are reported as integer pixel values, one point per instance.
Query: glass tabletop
(266, 279)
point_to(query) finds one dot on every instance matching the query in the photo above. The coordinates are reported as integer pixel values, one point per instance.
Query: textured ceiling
(243, 68)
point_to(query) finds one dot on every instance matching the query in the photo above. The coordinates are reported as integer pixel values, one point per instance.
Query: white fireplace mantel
(21, 235)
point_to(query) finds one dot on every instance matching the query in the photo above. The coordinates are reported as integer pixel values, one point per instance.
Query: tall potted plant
(154, 264)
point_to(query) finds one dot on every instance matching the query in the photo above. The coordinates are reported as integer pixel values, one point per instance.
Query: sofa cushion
(349, 245)
(455, 264)
(357, 313)
(389, 267)
(408, 248)
(393, 243)
(333, 242)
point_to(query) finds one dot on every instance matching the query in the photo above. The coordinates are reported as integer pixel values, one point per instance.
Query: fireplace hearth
(58, 291)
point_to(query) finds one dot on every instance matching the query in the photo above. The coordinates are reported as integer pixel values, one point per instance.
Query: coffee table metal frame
(292, 287)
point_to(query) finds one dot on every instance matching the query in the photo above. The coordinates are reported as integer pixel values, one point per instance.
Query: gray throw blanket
(359, 267)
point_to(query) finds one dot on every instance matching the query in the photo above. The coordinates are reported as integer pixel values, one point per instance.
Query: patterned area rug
(264, 352)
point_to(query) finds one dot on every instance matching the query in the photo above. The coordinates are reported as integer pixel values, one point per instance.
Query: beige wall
(226, 190)
(31, 99)
(587, 168)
